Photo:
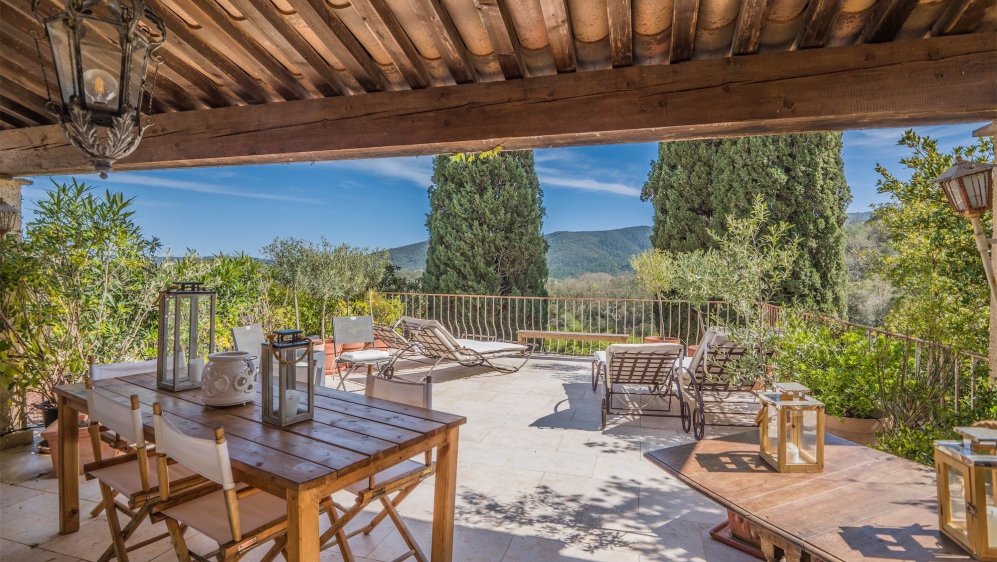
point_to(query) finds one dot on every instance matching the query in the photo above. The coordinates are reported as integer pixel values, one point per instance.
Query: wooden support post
(444, 504)
(302, 526)
(69, 468)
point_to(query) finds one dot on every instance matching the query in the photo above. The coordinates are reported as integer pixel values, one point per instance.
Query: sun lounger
(435, 341)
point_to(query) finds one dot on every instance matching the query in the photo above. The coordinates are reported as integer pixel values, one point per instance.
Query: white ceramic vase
(228, 379)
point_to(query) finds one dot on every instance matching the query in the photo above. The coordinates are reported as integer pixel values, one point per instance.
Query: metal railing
(501, 317)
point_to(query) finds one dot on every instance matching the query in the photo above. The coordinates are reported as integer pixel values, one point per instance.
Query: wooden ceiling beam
(320, 73)
(888, 16)
(785, 92)
(818, 23)
(204, 54)
(620, 32)
(389, 33)
(338, 38)
(962, 17)
(15, 120)
(240, 47)
(684, 16)
(748, 29)
(562, 41)
(447, 38)
(505, 41)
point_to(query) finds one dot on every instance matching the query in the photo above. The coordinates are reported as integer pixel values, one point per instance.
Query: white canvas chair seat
(365, 356)
(385, 476)
(124, 478)
(490, 347)
(207, 514)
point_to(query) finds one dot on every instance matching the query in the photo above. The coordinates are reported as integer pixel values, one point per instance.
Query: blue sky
(383, 202)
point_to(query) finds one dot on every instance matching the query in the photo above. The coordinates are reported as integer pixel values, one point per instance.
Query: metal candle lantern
(186, 328)
(968, 186)
(967, 490)
(284, 402)
(101, 51)
(791, 430)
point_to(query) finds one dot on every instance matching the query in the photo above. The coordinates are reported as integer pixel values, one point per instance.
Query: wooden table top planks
(350, 438)
(867, 505)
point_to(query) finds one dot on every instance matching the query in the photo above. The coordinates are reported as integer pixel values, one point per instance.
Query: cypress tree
(484, 223)
(695, 187)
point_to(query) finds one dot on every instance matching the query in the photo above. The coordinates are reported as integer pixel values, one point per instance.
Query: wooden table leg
(68, 470)
(444, 504)
(302, 526)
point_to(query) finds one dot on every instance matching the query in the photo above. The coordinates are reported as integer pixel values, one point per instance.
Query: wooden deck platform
(866, 506)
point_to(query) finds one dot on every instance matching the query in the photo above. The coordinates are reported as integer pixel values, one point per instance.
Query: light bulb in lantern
(100, 86)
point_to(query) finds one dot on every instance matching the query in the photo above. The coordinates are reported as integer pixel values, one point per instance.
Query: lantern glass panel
(62, 54)
(957, 500)
(100, 51)
(772, 433)
(808, 436)
(977, 188)
(138, 64)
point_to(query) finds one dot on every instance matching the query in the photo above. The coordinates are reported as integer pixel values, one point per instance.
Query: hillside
(570, 254)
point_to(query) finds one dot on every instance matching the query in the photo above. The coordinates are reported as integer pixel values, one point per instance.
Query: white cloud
(557, 178)
(200, 187)
(418, 171)
(886, 139)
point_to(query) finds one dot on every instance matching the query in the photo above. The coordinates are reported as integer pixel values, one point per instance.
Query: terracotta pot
(856, 430)
(691, 350)
(51, 434)
(740, 528)
(659, 339)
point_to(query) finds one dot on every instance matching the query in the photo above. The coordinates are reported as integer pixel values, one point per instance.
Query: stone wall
(10, 192)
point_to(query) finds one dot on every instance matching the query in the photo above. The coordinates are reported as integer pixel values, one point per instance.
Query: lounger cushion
(365, 356)
(600, 356)
(124, 478)
(486, 347)
(207, 515)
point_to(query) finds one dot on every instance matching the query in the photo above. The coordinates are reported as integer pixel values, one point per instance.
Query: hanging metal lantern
(969, 187)
(8, 217)
(186, 328)
(101, 51)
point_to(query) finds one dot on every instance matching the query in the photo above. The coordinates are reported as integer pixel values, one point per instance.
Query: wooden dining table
(350, 438)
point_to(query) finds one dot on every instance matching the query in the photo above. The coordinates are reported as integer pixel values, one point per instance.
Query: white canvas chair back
(203, 456)
(353, 329)
(116, 416)
(708, 340)
(409, 393)
(658, 348)
(105, 371)
(248, 338)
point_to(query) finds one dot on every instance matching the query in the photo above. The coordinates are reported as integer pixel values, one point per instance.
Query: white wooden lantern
(286, 399)
(967, 490)
(791, 429)
(186, 335)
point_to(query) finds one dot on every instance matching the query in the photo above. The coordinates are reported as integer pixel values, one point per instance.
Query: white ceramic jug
(228, 379)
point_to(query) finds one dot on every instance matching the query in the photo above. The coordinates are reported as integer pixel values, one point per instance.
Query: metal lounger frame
(428, 342)
(656, 371)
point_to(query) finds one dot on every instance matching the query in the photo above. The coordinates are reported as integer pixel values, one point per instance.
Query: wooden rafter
(748, 30)
(962, 17)
(684, 17)
(337, 37)
(776, 93)
(495, 16)
(26, 114)
(434, 16)
(265, 16)
(888, 16)
(620, 32)
(396, 43)
(818, 23)
(562, 42)
(25, 97)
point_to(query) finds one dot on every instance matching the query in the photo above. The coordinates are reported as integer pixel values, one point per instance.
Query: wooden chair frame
(241, 543)
(139, 504)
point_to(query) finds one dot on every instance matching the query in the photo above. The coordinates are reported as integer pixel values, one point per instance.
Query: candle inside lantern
(291, 400)
(792, 454)
(992, 525)
(195, 369)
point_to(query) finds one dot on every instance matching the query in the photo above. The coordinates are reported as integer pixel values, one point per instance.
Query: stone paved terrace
(538, 480)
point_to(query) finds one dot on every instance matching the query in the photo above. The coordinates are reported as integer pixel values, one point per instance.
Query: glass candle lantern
(186, 335)
(967, 498)
(791, 430)
(286, 399)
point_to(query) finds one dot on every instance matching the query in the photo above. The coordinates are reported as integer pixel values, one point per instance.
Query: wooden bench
(866, 505)
(523, 335)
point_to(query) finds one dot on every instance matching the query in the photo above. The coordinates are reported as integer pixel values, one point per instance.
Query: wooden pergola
(258, 81)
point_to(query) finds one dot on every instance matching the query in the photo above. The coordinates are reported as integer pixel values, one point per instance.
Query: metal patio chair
(353, 330)
(628, 368)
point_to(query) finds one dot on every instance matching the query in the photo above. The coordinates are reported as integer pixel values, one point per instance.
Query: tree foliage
(484, 223)
(933, 265)
(695, 186)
